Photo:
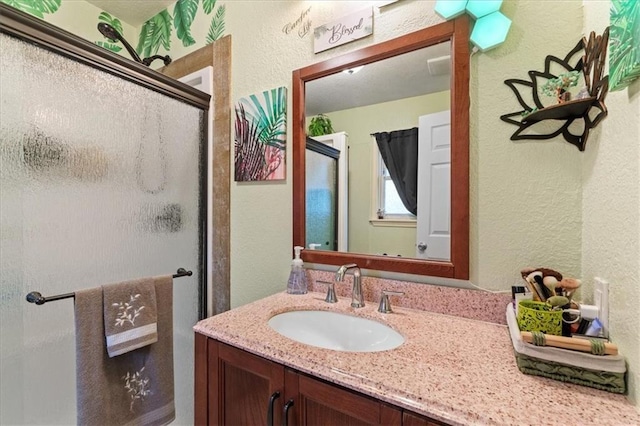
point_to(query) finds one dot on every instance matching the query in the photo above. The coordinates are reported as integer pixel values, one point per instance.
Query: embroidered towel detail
(136, 388)
(130, 315)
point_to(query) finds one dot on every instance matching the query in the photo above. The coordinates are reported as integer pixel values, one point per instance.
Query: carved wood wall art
(573, 119)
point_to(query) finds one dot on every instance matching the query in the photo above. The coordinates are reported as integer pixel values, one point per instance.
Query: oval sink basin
(332, 330)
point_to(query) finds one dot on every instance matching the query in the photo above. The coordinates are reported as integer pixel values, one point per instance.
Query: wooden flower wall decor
(560, 114)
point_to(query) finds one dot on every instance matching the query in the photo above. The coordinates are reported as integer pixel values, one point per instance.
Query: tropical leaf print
(111, 20)
(260, 137)
(109, 46)
(112, 45)
(36, 8)
(270, 116)
(154, 33)
(183, 14)
(216, 30)
(208, 6)
(624, 43)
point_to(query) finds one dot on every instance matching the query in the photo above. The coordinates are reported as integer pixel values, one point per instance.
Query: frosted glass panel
(99, 183)
(321, 196)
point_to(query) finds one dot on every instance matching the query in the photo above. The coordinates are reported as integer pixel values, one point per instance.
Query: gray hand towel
(135, 388)
(130, 315)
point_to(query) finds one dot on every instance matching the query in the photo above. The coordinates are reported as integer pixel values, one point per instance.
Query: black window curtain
(399, 151)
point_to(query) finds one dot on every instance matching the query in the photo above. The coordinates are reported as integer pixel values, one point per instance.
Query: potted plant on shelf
(557, 87)
(320, 125)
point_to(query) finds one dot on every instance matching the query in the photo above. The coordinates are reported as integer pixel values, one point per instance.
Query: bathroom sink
(332, 330)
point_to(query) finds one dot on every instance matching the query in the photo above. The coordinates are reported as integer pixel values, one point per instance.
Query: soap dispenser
(297, 279)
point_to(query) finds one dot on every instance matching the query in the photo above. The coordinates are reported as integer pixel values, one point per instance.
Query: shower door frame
(43, 34)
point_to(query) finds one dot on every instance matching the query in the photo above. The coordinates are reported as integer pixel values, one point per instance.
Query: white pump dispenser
(297, 278)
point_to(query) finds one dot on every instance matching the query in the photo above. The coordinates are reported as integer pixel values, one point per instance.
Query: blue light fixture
(449, 9)
(491, 26)
(490, 31)
(480, 8)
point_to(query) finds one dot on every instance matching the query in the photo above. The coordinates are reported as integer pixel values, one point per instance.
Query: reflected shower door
(321, 196)
(100, 182)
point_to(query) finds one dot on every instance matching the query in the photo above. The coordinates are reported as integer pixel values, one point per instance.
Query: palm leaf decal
(36, 8)
(183, 14)
(216, 30)
(154, 33)
(624, 46)
(109, 46)
(111, 20)
(208, 6)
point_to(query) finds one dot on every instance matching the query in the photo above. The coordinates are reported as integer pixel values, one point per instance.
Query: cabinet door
(243, 386)
(321, 403)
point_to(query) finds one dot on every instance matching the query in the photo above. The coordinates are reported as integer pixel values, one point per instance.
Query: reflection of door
(339, 142)
(321, 195)
(433, 237)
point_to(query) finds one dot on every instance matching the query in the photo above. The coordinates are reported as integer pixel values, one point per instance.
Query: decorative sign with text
(345, 30)
(301, 25)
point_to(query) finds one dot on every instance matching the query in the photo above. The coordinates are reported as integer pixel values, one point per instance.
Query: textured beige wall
(611, 211)
(359, 123)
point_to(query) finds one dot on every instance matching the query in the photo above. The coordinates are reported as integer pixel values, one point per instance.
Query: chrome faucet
(357, 300)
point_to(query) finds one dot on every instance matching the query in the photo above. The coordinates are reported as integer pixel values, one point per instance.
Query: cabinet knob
(272, 400)
(285, 412)
(422, 246)
(385, 304)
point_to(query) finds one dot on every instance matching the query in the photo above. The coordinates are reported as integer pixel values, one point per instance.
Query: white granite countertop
(452, 369)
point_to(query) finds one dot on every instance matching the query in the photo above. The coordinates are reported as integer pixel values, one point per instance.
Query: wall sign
(344, 30)
(301, 25)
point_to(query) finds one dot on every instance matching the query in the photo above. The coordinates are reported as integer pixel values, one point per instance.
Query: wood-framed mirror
(456, 33)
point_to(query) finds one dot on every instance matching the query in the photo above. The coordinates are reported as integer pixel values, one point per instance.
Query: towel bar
(38, 299)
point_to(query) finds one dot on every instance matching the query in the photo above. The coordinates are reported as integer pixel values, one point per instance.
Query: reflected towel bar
(38, 299)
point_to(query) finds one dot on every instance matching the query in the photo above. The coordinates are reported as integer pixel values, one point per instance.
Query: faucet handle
(331, 291)
(385, 304)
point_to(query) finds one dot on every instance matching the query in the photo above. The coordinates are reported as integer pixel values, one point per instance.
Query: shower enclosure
(102, 179)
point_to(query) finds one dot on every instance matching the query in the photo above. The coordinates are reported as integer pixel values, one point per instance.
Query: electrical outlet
(601, 300)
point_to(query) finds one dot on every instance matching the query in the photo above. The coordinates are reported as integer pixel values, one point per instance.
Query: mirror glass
(399, 201)
(364, 101)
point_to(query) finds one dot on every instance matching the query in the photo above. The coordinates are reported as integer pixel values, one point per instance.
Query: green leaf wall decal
(154, 33)
(183, 14)
(36, 8)
(208, 6)
(624, 43)
(216, 30)
(111, 20)
(110, 46)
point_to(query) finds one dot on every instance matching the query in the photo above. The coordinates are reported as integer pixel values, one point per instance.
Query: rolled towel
(130, 315)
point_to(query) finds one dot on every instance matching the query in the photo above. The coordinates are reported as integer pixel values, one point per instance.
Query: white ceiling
(133, 12)
(395, 78)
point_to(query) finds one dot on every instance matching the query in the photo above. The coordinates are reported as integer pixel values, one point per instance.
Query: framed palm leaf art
(624, 43)
(261, 136)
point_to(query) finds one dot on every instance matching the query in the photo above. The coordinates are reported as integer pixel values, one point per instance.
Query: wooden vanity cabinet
(234, 387)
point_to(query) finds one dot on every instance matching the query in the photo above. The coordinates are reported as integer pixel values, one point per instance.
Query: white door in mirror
(339, 332)
(434, 187)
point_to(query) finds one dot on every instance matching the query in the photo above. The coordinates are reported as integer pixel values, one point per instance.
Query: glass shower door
(321, 196)
(101, 181)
